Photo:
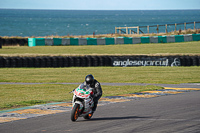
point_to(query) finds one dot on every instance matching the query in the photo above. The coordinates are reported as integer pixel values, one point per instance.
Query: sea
(27, 23)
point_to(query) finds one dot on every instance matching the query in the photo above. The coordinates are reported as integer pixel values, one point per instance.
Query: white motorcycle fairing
(83, 102)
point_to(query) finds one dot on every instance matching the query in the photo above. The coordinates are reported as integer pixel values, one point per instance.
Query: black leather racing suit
(97, 92)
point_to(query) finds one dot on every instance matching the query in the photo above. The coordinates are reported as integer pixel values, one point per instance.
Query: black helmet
(89, 79)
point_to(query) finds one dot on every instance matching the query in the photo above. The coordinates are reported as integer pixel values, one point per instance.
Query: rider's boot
(94, 107)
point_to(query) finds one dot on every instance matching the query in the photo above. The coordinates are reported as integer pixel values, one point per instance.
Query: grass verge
(12, 96)
(184, 48)
(161, 75)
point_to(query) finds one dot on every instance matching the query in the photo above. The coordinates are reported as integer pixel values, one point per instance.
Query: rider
(93, 83)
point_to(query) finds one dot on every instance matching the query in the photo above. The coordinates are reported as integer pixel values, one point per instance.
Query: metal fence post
(185, 26)
(138, 30)
(148, 29)
(126, 30)
(157, 29)
(175, 26)
(166, 28)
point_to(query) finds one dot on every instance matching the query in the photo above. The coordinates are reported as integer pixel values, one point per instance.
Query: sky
(101, 4)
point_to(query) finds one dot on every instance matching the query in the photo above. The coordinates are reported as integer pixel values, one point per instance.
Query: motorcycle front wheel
(75, 112)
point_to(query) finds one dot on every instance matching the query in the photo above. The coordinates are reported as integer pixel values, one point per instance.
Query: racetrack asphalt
(183, 85)
(148, 112)
(165, 114)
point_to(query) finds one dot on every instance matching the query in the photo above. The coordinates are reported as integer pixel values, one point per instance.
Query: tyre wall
(1, 42)
(95, 61)
(14, 41)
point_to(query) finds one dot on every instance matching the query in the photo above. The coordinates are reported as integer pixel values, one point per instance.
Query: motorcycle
(82, 102)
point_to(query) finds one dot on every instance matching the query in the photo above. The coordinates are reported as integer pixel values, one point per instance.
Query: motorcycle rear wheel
(89, 116)
(75, 112)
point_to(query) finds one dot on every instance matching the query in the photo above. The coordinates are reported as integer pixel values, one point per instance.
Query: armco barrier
(162, 39)
(94, 61)
(179, 38)
(108, 41)
(196, 37)
(97, 41)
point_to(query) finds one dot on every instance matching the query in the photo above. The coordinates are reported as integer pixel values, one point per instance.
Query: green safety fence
(179, 38)
(74, 41)
(196, 37)
(109, 41)
(128, 40)
(57, 41)
(91, 41)
(162, 39)
(145, 40)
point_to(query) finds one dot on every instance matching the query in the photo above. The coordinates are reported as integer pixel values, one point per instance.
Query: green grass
(166, 75)
(167, 48)
(12, 96)
(25, 95)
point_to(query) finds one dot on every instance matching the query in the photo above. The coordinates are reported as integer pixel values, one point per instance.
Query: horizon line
(98, 9)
